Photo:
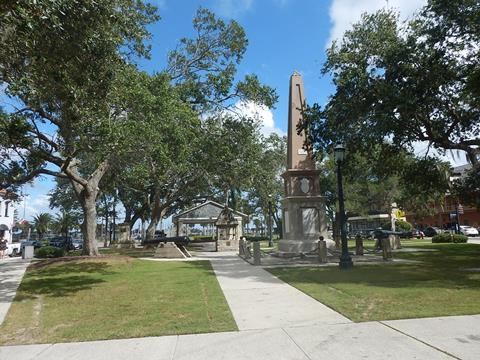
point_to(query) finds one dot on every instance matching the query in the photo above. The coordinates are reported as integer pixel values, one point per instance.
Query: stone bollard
(386, 249)
(322, 251)
(358, 245)
(256, 253)
(394, 242)
(241, 247)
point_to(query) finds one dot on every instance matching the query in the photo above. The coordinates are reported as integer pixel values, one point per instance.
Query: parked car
(35, 243)
(13, 249)
(77, 244)
(432, 231)
(60, 241)
(415, 233)
(468, 230)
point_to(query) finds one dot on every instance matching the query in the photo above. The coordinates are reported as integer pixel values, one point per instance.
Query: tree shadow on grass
(62, 280)
(55, 287)
(102, 268)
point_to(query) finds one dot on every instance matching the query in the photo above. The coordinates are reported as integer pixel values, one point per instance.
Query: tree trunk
(87, 191)
(152, 226)
(89, 225)
(159, 214)
(278, 222)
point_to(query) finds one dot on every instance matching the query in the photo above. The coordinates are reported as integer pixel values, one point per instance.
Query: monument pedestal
(303, 223)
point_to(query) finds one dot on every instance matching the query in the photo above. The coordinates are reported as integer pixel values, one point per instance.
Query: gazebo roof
(208, 211)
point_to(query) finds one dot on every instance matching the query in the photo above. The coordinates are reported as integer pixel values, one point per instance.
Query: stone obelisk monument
(303, 207)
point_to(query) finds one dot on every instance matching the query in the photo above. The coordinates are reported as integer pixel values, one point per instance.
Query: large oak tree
(405, 82)
(61, 65)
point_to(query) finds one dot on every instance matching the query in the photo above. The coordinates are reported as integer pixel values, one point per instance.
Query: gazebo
(228, 223)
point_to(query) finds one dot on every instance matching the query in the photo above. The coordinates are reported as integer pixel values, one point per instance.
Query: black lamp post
(345, 259)
(270, 242)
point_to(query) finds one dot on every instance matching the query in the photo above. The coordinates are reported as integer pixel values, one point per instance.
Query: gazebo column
(179, 226)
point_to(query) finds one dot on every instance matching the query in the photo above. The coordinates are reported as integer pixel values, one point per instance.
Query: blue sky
(284, 36)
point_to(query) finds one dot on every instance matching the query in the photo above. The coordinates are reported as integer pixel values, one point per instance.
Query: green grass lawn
(115, 297)
(445, 283)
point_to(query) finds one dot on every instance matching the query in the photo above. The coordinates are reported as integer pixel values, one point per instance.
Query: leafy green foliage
(467, 188)
(49, 252)
(204, 67)
(233, 149)
(268, 184)
(63, 64)
(403, 83)
(449, 238)
(41, 223)
(400, 225)
(373, 181)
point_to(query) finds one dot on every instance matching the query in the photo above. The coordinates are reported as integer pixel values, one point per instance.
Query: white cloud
(454, 157)
(232, 8)
(34, 205)
(345, 13)
(261, 114)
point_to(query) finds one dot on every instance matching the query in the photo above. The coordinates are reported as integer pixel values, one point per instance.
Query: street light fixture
(270, 242)
(345, 259)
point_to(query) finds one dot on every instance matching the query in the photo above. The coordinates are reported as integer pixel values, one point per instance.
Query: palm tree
(41, 223)
(63, 223)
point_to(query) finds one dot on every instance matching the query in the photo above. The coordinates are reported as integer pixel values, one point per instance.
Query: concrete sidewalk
(259, 300)
(279, 322)
(372, 340)
(11, 274)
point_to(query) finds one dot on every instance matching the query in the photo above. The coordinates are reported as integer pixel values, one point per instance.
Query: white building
(7, 221)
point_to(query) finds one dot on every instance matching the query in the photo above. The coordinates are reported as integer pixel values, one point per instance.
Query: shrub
(202, 238)
(449, 238)
(255, 238)
(49, 252)
(400, 225)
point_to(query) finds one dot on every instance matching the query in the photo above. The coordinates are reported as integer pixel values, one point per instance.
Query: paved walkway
(11, 274)
(278, 322)
(259, 300)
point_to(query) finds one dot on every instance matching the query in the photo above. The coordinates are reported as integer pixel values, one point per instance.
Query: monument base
(227, 245)
(297, 246)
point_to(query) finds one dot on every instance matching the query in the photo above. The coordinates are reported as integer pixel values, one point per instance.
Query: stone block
(322, 251)
(394, 242)
(386, 249)
(358, 245)
(256, 253)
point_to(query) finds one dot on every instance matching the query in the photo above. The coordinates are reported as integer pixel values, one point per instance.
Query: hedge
(400, 225)
(49, 252)
(449, 238)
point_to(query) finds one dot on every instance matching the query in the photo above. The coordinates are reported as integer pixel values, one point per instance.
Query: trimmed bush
(449, 238)
(255, 238)
(202, 238)
(400, 225)
(49, 252)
